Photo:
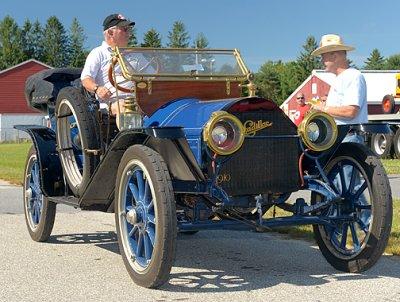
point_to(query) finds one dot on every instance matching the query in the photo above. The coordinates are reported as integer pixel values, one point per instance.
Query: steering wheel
(114, 62)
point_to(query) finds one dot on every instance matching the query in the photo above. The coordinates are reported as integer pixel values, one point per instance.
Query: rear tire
(381, 144)
(77, 132)
(39, 211)
(366, 195)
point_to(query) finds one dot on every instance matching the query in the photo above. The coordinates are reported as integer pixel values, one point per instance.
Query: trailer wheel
(381, 144)
(388, 104)
(360, 180)
(145, 216)
(39, 211)
(396, 143)
(77, 132)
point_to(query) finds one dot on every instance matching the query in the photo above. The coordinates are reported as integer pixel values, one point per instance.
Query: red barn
(315, 86)
(13, 107)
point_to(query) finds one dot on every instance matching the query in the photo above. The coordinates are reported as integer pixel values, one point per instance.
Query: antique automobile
(195, 150)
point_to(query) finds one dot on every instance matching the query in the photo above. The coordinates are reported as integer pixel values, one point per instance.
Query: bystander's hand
(103, 93)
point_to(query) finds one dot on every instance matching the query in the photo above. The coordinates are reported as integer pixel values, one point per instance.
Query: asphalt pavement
(81, 262)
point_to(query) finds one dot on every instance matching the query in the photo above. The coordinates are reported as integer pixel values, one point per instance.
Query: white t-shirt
(97, 65)
(349, 88)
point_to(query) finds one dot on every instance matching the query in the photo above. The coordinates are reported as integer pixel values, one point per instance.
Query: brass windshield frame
(117, 58)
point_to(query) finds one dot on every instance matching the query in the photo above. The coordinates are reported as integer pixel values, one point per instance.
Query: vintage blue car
(190, 151)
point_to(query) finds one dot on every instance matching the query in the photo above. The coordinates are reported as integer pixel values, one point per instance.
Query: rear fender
(51, 174)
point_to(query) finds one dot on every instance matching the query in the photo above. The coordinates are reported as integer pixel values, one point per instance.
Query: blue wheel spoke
(140, 182)
(342, 179)
(133, 231)
(147, 246)
(151, 218)
(344, 235)
(134, 190)
(146, 195)
(352, 179)
(356, 243)
(363, 226)
(151, 205)
(151, 234)
(360, 190)
(139, 248)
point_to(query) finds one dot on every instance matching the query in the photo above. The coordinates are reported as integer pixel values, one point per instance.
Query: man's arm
(347, 112)
(102, 92)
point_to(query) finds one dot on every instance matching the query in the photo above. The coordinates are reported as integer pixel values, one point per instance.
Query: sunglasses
(301, 98)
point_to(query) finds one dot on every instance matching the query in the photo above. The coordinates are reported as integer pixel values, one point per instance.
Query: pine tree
(178, 37)
(267, 80)
(306, 62)
(151, 39)
(32, 37)
(133, 42)
(393, 62)
(201, 41)
(375, 61)
(77, 53)
(11, 52)
(55, 42)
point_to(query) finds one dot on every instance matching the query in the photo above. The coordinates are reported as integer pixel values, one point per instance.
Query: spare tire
(381, 144)
(78, 138)
(388, 104)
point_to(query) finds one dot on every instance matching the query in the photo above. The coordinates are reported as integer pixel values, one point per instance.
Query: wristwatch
(95, 89)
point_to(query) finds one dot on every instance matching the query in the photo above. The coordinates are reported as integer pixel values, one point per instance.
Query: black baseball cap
(116, 20)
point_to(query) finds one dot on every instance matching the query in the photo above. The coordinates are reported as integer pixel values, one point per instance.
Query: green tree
(178, 37)
(77, 53)
(33, 38)
(289, 80)
(151, 39)
(133, 42)
(267, 80)
(393, 62)
(55, 42)
(11, 50)
(306, 62)
(200, 41)
(375, 61)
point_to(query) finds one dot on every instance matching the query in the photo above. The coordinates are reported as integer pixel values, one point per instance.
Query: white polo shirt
(349, 88)
(97, 65)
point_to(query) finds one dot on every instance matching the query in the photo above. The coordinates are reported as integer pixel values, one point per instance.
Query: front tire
(39, 211)
(360, 180)
(145, 216)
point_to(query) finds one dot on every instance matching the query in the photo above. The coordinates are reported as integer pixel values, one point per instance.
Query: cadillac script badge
(252, 127)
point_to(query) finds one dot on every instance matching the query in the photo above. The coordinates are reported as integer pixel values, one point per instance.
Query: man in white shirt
(347, 98)
(116, 31)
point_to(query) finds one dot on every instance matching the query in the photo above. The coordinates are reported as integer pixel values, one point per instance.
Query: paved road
(81, 262)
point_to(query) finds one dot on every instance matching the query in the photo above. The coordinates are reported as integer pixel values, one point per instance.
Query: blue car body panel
(191, 114)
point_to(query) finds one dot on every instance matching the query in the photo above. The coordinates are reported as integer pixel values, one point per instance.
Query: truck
(383, 98)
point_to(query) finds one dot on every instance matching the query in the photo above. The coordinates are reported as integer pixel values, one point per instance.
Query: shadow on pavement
(226, 261)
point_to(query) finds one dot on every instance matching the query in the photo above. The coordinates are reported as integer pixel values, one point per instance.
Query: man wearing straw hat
(347, 98)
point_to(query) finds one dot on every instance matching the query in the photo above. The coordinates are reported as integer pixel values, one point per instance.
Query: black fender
(170, 142)
(325, 156)
(51, 174)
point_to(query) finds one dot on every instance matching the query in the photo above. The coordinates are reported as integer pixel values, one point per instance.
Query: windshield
(181, 63)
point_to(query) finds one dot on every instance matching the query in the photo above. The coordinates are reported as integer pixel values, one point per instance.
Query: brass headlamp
(318, 131)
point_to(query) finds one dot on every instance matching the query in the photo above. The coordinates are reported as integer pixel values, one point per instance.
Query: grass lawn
(12, 161)
(392, 166)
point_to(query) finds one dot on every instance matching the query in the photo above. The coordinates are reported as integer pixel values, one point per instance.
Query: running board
(67, 200)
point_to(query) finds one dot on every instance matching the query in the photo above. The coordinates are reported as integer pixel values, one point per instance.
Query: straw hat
(330, 43)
